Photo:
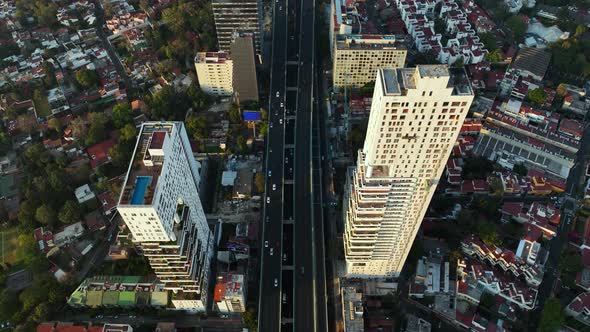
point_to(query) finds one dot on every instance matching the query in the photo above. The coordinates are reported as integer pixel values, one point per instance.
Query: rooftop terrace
(142, 178)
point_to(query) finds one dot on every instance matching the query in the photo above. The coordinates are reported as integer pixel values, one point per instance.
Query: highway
(269, 306)
(292, 282)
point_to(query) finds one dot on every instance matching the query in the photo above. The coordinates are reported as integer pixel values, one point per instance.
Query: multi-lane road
(292, 282)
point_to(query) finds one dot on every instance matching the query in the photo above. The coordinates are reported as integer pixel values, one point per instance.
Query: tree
(45, 215)
(49, 71)
(87, 78)
(199, 99)
(517, 26)
(489, 41)
(27, 248)
(127, 134)
(97, 131)
(122, 115)
(494, 56)
(69, 213)
(459, 63)
(486, 231)
(552, 317)
(42, 312)
(259, 182)
(46, 14)
(241, 142)
(537, 96)
(520, 169)
(174, 19)
(235, 116)
(8, 304)
(250, 320)
(54, 124)
(79, 128)
(197, 127)
(26, 214)
(119, 156)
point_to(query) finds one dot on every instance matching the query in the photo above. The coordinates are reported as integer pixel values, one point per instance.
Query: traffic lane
(304, 294)
(270, 294)
(287, 294)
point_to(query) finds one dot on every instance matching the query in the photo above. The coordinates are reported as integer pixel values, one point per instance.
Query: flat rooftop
(211, 57)
(398, 81)
(144, 171)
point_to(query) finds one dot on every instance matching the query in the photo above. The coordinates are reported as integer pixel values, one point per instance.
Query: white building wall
(179, 253)
(409, 138)
(216, 78)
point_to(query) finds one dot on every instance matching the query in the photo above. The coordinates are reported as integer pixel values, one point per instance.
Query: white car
(277, 94)
(271, 251)
(281, 121)
(274, 186)
(268, 200)
(276, 282)
(271, 124)
(270, 172)
(266, 244)
(282, 105)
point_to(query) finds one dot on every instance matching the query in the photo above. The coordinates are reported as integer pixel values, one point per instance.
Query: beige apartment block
(416, 115)
(215, 73)
(357, 58)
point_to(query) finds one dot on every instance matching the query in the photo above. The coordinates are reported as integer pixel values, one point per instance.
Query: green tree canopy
(537, 96)
(197, 127)
(128, 134)
(552, 317)
(97, 131)
(69, 213)
(517, 26)
(87, 78)
(45, 215)
(54, 124)
(122, 115)
(494, 56)
(489, 41)
(8, 304)
(235, 116)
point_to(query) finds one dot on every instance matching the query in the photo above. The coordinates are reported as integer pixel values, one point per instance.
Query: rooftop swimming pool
(141, 184)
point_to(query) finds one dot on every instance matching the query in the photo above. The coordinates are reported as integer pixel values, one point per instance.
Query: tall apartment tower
(233, 16)
(160, 205)
(245, 84)
(215, 73)
(416, 115)
(358, 57)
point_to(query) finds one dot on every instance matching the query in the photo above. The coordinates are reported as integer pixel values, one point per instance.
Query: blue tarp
(252, 116)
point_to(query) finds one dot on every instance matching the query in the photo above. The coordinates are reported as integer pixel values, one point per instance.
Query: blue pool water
(141, 184)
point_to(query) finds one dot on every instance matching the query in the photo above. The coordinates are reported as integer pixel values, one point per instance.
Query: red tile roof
(99, 153)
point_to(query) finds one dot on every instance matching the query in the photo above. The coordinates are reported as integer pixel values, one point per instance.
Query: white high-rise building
(160, 205)
(415, 118)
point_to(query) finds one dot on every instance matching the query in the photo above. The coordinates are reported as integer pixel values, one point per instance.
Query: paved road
(576, 176)
(307, 284)
(108, 47)
(269, 307)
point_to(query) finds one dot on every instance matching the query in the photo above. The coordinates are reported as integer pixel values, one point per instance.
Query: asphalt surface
(269, 307)
(306, 281)
(576, 177)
